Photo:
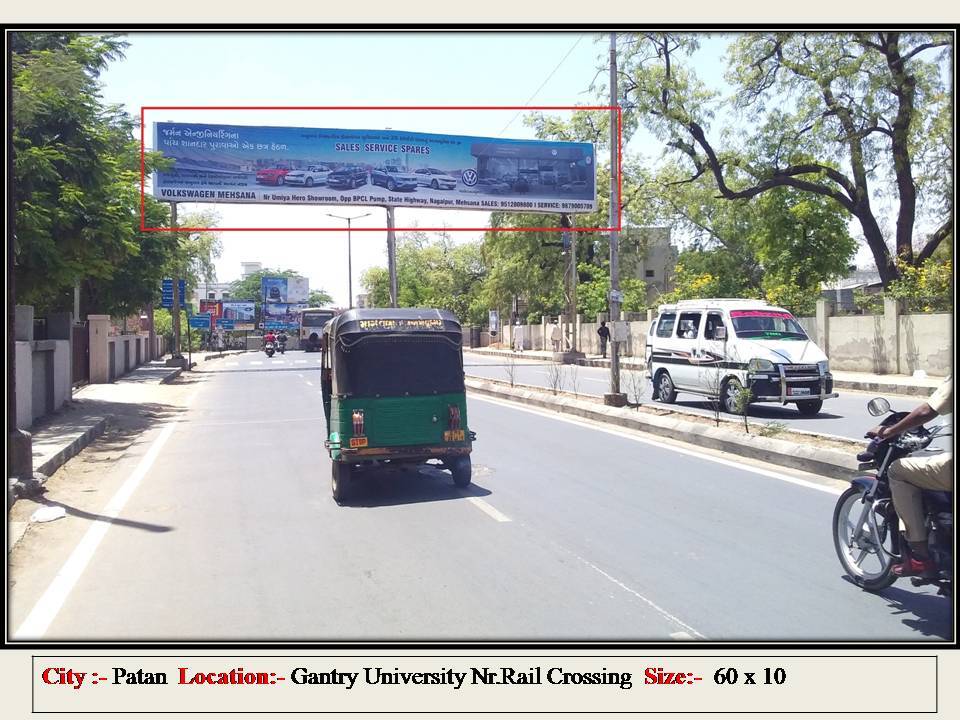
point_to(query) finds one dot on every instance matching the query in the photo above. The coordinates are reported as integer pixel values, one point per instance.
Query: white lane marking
(663, 613)
(231, 364)
(50, 603)
(489, 509)
(300, 362)
(681, 636)
(667, 446)
(599, 380)
(309, 383)
(256, 362)
(278, 362)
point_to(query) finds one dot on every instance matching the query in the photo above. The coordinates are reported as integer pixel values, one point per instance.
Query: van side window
(689, 326)
(665, 326)
(714, 320)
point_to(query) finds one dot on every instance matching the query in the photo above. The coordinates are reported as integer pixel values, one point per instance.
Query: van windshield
(766, 324)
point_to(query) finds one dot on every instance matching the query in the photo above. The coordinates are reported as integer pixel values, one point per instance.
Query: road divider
(837, 460)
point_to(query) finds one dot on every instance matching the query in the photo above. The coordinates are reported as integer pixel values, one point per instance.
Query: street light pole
(614, 397)
(349, 252)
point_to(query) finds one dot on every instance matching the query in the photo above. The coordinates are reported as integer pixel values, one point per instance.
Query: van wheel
(462, 470)
(809, 408)
(729, 396)
(665, 388)
(340, 477)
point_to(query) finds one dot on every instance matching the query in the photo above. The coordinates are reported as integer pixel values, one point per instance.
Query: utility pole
(614, 397)
(175, 310)
(392, 255)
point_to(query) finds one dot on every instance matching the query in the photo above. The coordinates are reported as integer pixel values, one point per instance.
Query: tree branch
(939, 235)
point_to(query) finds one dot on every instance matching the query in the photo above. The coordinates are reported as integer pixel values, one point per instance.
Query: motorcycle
(269, 349)
(282, 346)
(866, 529)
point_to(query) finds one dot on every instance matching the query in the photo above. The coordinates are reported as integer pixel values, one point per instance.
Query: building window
(226, 294)
(211, 296)
(649, 273)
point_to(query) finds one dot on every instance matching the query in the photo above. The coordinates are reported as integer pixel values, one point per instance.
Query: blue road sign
(201, 322)
(224, 324)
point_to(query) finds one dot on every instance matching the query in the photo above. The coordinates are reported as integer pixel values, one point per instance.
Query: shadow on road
(927, 614)
(384, 487)
(127, 422)
(77, 512)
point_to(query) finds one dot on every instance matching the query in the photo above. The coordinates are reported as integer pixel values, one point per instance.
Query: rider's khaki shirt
(942, 399)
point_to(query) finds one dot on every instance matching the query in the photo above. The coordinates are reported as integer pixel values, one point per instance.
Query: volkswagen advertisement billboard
(290, 165)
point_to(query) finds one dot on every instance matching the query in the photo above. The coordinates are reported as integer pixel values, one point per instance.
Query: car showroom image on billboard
(263, 164)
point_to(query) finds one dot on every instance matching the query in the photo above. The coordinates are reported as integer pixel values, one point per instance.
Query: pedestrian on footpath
(604, 332)
(518, 336)
(556, 335)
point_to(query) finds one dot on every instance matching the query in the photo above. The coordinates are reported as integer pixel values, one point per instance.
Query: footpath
(842, 379)
(61, 435)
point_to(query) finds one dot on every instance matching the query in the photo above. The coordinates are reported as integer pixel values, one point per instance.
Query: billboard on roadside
(213, 307)
(329, 166)
(242, 312)
(282, 315)
(284, 289)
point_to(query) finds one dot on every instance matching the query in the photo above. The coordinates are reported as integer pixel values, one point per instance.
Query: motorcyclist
(911, 474)
(282, 338)
(269, 337)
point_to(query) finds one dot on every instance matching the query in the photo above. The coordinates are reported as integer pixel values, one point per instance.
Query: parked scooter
(866, 529)
(269, 348)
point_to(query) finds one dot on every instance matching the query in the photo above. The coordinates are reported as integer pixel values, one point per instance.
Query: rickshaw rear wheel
(340, 475)
(462, 470)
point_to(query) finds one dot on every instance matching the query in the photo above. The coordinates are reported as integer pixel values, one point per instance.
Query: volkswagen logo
(469, 177)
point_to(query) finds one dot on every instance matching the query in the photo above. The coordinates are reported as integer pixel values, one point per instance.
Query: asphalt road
(845, 416)
(223, 528)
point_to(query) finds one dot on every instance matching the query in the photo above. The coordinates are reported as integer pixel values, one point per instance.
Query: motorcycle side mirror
(878, 406)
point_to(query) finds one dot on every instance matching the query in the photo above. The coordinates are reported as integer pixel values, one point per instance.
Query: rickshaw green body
(402, 370)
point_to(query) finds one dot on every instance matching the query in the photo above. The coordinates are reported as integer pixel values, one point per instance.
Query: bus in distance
(311, 324)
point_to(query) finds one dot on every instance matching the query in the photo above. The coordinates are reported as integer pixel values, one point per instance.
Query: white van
(715, 348)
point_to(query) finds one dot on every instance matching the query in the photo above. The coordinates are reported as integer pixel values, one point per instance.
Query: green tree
(76, 176)
(319, 298)
(433, 272)
(842, 116)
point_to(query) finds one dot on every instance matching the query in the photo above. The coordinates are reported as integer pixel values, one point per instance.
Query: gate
(81, 354)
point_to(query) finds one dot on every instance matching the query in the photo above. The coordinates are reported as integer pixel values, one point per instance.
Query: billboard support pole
(175, 310)
(392, 255)
(614, 397)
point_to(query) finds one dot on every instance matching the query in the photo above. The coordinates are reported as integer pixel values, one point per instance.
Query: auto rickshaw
(393, 392)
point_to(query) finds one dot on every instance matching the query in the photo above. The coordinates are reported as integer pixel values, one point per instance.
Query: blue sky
(198, 68)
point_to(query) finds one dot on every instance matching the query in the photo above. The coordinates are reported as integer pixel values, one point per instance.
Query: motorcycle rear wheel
(865, 561)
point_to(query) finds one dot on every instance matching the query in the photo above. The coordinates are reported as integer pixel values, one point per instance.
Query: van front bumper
(784, 388)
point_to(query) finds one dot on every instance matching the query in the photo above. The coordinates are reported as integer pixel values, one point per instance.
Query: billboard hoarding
(284, 289)
(243, 312)
(224, 324)
(212, 307)
(290, 165)
(285, 316)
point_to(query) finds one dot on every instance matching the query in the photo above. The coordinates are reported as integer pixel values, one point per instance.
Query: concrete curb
(216, 356)
(828, 463)
(174, 374)
(34, 486)
(881, 388)
(50, 466)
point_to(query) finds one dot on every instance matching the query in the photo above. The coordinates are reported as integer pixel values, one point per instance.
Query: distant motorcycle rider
(910, 475)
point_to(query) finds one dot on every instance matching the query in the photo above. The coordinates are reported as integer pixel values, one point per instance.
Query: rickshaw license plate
(798, 391)
(453, 435)
(358, 442)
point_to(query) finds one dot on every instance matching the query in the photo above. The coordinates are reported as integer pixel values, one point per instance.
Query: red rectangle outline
(143, 164)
